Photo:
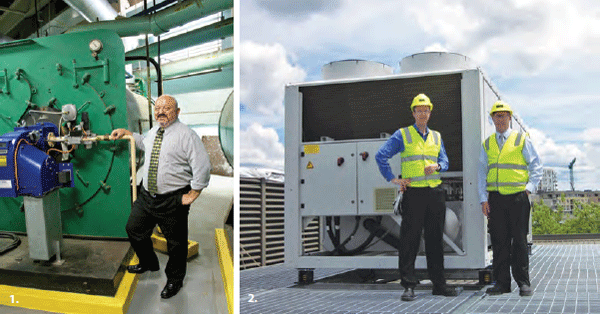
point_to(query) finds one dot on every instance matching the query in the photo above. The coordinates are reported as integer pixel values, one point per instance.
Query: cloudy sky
(542, 55)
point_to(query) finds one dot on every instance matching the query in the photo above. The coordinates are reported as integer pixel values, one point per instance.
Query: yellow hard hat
(500, 106)
(421, 100)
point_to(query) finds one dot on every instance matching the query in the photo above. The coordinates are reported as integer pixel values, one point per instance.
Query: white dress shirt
(183, 159)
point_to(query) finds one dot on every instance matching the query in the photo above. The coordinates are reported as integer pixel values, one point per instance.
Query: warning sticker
(312, 149)
(2, 161)
(310, 165)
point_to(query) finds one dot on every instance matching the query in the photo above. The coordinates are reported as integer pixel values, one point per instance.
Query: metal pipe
(148, 86)
(154, 8)
(159, 81)
(156, 67)
(198, 36)
(97, 138)
(93, 10)
(5, 9)
(223, 58)
(133, 168)
(162, 21)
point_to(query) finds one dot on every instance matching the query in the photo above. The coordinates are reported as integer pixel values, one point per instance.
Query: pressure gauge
(96, 46)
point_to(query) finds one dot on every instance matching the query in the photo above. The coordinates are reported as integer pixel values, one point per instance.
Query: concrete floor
(203, 290)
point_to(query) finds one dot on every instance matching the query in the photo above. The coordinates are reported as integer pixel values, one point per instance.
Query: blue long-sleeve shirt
(395, 145)
(532, 158)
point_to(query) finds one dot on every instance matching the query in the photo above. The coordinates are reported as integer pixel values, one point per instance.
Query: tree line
(584, 219)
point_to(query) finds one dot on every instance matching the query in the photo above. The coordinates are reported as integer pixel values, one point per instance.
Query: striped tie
(153, 169)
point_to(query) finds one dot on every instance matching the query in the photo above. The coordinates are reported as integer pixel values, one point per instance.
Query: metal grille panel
(262, 224)
(384, 200)
(363, 110)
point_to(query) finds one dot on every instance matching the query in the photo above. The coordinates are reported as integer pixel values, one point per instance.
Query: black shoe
(525, 291)
(140, 269)
(496, 290)
(171, 289)
(408, 295)
(445, 291)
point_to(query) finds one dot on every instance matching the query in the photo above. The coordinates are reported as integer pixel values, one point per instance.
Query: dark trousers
(509, 225)
(422, 208)
(172, 218)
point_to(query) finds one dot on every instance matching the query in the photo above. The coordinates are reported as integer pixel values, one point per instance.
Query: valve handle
(364, 155)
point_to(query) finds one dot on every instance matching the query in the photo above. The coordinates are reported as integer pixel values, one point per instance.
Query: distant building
(548, 182)
(554, 198)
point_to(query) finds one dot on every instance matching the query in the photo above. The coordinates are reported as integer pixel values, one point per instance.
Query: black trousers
(509, 225)
(422, 209)
(172, 218)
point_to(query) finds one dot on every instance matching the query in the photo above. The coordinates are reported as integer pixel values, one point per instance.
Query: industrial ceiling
(17, 18)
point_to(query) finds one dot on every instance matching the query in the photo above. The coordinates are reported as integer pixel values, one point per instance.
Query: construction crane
(571, 173)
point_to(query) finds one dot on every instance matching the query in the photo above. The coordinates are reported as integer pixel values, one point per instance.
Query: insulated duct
(93, 10)
(198, 36)
(162, 21)
(220, 59)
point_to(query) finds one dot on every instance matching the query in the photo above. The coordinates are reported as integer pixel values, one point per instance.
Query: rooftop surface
(564, 276)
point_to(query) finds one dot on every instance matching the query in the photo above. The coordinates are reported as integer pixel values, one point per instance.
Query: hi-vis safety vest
(507, 169)
(417, 154)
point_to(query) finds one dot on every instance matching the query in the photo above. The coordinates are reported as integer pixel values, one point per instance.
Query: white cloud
(260, 146)
(561, 110)
(554, 154)
(451, 21)
(592, 136)
(507, 38)
(512, 37)
(298, 9)
(355, 27)
(264, 71)
(558, 156)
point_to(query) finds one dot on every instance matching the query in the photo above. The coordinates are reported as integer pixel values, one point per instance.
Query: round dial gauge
(95, 45)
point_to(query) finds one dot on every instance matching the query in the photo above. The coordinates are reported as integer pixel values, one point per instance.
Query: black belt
(422, 187)
(169, 194)
(498, 193)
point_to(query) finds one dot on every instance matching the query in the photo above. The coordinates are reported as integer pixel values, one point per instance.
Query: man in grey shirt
(175, 171)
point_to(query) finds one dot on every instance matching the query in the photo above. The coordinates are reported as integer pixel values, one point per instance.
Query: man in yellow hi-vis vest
(509, 170)
(424, 201)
